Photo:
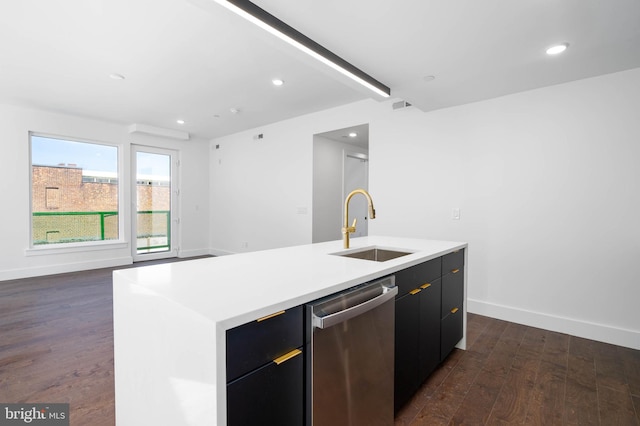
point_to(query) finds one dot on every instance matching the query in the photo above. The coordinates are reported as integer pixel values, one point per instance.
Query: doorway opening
(340, 165)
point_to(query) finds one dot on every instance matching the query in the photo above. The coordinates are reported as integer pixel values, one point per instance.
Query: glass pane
(153, 197)
(74, 191)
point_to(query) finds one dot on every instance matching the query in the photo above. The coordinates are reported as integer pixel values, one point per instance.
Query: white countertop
(161, 309)
(232, 290)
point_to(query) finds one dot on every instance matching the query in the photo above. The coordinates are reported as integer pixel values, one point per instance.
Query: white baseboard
(37, 271)
(218, 252)
(573, 327)
(193, 253)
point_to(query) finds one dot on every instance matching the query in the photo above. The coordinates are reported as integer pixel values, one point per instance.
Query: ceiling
(194, 60)
(354, 135)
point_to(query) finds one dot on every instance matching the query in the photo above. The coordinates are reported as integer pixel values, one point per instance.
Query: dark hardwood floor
(514, 374)
(56, 345)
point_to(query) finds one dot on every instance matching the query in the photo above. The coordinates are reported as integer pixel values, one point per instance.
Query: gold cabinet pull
(455, 271)
(287, 356)
(415, 291)
(454, 310)
(270, 316)
(425, 285)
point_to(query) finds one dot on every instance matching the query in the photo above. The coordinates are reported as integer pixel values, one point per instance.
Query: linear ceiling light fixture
(270, 23)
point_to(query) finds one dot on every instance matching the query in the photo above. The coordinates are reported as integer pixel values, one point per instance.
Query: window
(52, 198)
(74, 191)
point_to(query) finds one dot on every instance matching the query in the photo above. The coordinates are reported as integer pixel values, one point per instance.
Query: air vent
(401, 104)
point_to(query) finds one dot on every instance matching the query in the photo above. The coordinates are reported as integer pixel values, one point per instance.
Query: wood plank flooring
(514, 374)
(56, 345)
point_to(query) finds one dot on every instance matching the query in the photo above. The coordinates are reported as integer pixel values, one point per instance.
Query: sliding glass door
(154, 193)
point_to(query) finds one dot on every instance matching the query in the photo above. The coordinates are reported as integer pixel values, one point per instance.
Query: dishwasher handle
(327, 321)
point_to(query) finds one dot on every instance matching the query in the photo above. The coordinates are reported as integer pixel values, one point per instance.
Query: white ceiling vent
(401, 104)
(159, 131)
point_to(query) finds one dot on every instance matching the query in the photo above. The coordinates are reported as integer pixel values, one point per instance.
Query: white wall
(17, 122)
(547, 183)
(261, 190)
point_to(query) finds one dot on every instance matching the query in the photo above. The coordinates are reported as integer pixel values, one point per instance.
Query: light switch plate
(455, 213)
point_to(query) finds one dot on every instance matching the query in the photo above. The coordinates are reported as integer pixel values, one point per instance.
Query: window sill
(75, 248)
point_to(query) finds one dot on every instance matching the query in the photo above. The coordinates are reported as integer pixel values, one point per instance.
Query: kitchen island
(170, 320)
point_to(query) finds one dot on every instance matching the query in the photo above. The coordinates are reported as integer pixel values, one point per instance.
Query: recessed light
(429, 78)
(116, 76)
(180, 121)
(277, 82)
(558, 48)
(234, 110)
(353, 134)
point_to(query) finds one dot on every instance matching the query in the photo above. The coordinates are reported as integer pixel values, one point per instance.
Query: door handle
(270, 316)
(342, 316)
(287, 356)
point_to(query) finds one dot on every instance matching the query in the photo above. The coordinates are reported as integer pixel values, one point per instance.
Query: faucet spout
(346, 229)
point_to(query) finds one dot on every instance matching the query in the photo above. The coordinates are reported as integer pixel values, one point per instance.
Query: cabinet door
(451, 332)
(254, 344)
(452, 291)
(452, 310)
(429, 328)
(406, 349)
(271, 395)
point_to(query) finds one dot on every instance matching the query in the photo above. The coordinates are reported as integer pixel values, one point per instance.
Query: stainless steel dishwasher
(350, 350)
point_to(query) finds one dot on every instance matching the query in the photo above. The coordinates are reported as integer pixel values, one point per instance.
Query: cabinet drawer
(254, 344)
(415, 276)
(450, 332)
(271, 395)
(452, 261)
(452, 291)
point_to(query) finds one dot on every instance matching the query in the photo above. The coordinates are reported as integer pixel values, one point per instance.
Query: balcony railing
(153, 231)
(153, 228)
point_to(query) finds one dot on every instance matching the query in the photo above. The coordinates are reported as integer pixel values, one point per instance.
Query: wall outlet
(244, 244)
(455, 213)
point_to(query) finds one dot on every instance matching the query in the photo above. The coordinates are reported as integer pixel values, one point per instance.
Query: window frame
(60, 248)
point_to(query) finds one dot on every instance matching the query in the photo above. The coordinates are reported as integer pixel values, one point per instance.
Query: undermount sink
(375, 254)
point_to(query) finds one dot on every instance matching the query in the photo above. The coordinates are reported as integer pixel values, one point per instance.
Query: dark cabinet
(451, 332)
(429, 350)
(452, 301)
(265, 370)
(270, 395)
(417, 328)
(429, 320)
(406, 349)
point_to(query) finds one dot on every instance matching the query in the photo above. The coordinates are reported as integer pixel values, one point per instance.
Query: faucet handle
(350, 229)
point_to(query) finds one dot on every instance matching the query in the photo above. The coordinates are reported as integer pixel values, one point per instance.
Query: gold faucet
(346, 229)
